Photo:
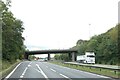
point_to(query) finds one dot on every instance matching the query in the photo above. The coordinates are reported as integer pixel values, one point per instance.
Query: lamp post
(89, 31)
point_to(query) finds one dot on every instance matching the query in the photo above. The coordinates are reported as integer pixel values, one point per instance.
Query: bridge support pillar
(73, 56)
(25, 56)
(69, 55)
(48, 56)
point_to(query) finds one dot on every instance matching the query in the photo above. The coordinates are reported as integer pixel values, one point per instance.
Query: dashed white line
(65, 76)
(53, 70)
(42, 72)
(13, 71)
(21, 76)
(30, 63)
(24, 72)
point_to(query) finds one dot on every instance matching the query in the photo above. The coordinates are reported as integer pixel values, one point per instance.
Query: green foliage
(63, 57)
(12, 40)
(57, 57)
(31, 57)
(104, 45)
(81, 46)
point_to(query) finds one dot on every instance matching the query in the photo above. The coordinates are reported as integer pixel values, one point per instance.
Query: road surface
(47, 71)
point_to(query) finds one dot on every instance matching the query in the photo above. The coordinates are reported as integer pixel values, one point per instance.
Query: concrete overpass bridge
(70, 52)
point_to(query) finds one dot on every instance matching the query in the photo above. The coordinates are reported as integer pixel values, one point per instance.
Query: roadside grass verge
(7, 67)
(0, 68)
(105, 72)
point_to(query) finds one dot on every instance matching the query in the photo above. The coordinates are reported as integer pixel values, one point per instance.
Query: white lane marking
(102, 76)
(21, 76)
(53, 70)
(82, 71)
(65, 76)
(30, 62)
(13, 70)
(36, 69)
(29, 65)
(42, 71)
(24, 71)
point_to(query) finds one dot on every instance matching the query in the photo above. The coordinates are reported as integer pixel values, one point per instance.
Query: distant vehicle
(89, 57)
(41, 60)
(45, 59)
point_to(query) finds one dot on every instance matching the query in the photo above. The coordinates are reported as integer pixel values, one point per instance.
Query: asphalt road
(47, 71)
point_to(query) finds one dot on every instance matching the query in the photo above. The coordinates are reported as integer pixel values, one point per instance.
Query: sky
(59, 24)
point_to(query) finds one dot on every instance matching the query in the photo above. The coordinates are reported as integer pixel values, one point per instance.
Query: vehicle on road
(89, 57)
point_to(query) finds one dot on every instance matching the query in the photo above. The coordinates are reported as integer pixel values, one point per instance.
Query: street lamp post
(89, 31)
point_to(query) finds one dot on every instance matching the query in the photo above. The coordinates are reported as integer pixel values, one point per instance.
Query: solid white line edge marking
(41, 71)
(13, 70)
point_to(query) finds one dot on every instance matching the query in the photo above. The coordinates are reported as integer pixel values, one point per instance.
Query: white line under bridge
(71, 52)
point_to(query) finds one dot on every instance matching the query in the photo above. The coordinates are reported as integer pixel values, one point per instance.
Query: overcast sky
(58, 24)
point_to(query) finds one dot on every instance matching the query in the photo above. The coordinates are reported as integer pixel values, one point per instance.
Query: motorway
(47, 71)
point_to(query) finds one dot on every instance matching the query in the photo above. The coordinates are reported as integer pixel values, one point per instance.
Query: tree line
(62, 57)
(12, 29)
(105, 46)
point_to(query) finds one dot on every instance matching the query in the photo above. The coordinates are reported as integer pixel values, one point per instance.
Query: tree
(12, 40)
(63, 57)
(104, 45)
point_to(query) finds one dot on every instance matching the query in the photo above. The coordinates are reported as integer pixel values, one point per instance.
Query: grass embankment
(105, 72)
(7, 67)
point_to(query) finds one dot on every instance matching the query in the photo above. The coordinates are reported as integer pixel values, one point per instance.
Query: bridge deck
(51, 51)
